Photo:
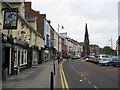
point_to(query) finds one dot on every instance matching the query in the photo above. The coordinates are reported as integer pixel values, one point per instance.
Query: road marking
(81, 80)
(95, 87)
(85, 79)
(63, 78)
(65, 81)
(89, 82)
(82, 74)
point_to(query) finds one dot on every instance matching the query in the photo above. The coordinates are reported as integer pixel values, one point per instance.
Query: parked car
(75, 56)
(105, 61)
(85, 57)
(90, 58)
(100, 57)
(115, 61)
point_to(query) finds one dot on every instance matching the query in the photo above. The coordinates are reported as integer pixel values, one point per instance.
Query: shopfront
(20, 56)
(7, 49)
(35, 57)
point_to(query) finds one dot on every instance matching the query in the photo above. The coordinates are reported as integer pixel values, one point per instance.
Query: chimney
(28, 5)
(38, 12)
(44, 15)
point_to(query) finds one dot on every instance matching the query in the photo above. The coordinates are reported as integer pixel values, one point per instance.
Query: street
(70, 74)
(82, 74)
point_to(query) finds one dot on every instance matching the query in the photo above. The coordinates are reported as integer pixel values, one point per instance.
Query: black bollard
(51, 81)
(54, 69)
(58, 60)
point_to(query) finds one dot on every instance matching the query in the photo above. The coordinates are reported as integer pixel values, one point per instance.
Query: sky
(101, 18)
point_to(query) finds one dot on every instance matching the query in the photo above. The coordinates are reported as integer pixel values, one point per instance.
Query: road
(82, 74)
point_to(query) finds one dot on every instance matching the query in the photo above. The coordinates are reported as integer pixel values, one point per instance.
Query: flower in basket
(23, 32)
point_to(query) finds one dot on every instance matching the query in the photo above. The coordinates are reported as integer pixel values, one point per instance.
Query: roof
(13, 1)
(32, 19)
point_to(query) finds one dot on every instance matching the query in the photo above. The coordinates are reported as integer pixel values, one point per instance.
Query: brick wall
(29, 13)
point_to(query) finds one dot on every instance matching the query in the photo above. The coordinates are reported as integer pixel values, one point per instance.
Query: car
(105, 61)
(115, 61)
(100, 57)
(90, 58)
(75, 56)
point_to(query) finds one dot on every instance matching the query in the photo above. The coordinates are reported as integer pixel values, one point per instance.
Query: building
(95, 50)
(86, 42)
(69, 44)
(118, 46)
(81, 48)
(43, 28)
(118, 40)
(18, 43)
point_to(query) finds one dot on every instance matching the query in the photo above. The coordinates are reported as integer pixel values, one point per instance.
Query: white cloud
(101, 17)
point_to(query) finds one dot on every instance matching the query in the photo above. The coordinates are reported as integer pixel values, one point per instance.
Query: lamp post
(53, 56)
(58, 41)
(110, 43)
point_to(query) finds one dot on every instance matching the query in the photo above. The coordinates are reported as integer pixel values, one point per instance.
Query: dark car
(115, 61)
(90, 58)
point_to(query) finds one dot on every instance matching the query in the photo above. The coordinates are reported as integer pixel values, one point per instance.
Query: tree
(108, 50)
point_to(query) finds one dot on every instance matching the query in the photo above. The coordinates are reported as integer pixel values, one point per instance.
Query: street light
(58, 40)
(53, 57)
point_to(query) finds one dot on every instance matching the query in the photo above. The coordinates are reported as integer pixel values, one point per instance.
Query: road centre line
(95, 87)
(89, 82)
(85, 79)
(79, 73)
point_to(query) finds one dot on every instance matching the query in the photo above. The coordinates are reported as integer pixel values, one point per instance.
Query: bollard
(51, 81)
(58, 60)
(54, 68)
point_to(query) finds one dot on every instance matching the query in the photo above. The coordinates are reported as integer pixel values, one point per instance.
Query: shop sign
(10, 19)
(18, 41)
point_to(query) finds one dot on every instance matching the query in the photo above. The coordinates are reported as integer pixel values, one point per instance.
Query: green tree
(108, 50)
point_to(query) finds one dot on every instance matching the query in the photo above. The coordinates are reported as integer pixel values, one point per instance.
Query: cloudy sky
(101, 17)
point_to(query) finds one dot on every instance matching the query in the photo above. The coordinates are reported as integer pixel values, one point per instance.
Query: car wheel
(114, 65)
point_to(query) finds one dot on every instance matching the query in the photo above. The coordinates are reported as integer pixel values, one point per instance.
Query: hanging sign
(10, 19)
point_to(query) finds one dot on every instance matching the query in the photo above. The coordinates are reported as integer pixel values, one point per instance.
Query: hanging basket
(23, 32)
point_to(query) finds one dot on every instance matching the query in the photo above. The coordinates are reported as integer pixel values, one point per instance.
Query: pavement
(34, 77)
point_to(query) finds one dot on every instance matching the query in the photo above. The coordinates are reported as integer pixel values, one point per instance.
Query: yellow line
(66, 84)
(63, 78)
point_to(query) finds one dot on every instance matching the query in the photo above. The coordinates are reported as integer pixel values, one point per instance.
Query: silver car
(105, 61)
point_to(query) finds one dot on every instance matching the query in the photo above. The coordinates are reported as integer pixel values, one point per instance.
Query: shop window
(18, 57)
(22, 57)
(23, 60)
(25, 57)
(15, 58)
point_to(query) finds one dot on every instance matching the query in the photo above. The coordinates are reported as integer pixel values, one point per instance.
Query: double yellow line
(63, 78)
